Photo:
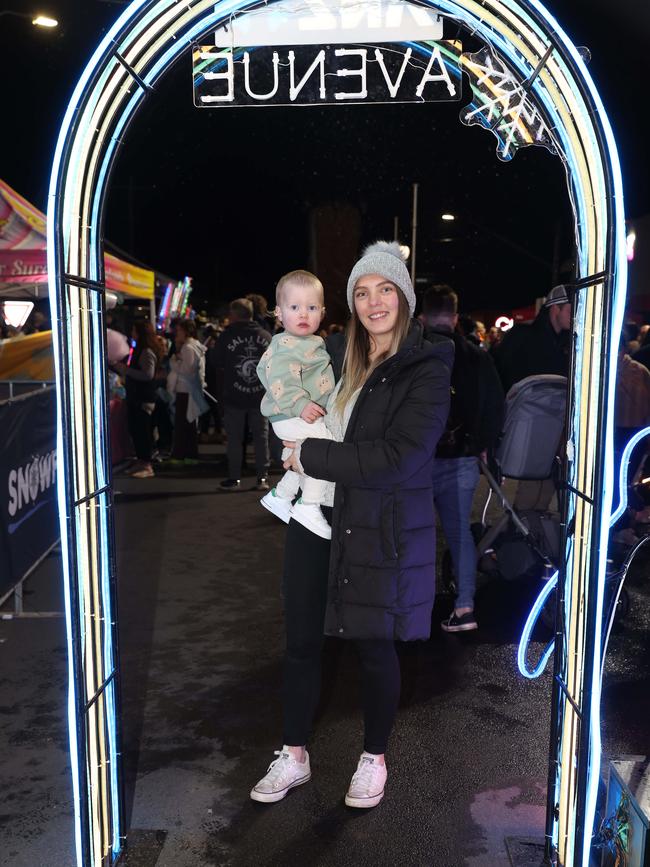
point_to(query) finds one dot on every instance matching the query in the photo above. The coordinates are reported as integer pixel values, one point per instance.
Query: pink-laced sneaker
(368, 783)
(284, 773)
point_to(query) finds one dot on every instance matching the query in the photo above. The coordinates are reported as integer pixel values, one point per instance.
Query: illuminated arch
(133, 56)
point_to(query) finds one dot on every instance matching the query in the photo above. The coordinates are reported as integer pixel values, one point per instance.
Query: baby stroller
(521, 543)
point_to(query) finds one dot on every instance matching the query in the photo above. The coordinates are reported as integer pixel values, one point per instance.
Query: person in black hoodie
(374, 583)
(235, 357)
(473, 427)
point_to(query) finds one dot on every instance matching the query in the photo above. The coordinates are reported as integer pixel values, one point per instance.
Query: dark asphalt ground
(201, 632)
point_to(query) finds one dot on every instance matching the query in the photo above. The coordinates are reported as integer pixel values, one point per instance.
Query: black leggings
(139, 423)
(306, 563)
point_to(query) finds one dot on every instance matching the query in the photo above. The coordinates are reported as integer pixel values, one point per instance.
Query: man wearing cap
(543, 346)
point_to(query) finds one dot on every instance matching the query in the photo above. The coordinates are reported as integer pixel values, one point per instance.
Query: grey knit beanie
(384, 258)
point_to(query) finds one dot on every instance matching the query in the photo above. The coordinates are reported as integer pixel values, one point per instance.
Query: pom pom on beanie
(384, 258)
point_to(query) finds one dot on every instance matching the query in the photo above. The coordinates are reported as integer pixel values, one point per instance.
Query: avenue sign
(327, 74)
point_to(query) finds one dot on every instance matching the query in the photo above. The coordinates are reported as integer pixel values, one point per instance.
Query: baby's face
(301, 309)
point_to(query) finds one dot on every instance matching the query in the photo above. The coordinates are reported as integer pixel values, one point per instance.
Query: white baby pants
(299, 429)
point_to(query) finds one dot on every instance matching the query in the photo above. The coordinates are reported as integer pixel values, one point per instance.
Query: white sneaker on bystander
(284, 773)
(368, 783)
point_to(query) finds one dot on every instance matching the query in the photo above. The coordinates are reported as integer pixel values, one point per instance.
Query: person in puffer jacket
(374, 583)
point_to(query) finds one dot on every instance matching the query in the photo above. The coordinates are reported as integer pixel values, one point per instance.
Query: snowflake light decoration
(501, 104)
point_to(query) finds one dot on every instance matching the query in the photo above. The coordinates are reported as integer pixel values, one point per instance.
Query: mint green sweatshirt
(294, 371)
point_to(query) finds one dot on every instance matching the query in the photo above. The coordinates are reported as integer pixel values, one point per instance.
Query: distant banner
(327, 74)
(28, 507)
(124, 277)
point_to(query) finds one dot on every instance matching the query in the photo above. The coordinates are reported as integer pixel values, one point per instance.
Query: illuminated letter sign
(331, 22)
(326, 74)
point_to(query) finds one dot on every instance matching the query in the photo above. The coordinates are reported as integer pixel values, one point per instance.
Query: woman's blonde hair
(357, 366)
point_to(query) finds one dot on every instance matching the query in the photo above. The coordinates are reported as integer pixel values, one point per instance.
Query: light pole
(414, 231)
(39, 20)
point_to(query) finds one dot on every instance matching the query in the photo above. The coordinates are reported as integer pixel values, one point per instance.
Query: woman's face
(376, 302)
(180, 336)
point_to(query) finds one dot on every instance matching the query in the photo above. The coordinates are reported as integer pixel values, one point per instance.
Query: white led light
(16, 313)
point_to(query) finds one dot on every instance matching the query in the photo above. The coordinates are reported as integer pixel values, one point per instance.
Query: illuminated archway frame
(140, 47)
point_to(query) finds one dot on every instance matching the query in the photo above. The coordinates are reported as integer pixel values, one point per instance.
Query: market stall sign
(327, 74)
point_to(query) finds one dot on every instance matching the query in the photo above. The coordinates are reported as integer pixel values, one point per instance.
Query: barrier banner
(28, 506)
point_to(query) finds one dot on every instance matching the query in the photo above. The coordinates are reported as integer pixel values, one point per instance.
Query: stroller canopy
(533, 427)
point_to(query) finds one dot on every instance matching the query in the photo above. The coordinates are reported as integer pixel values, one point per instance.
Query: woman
(141, 394)
(186, 380)
(376, 585)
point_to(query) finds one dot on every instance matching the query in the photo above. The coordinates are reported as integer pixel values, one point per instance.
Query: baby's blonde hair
(300, 278)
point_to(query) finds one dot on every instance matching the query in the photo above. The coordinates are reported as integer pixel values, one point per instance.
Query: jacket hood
(196, 346)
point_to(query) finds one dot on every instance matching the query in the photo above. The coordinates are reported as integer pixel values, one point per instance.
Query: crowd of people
(382, 430)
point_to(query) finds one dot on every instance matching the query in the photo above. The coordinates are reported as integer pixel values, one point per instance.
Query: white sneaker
(367, 784)
(284, 773)
(311, 517)
(279, 506)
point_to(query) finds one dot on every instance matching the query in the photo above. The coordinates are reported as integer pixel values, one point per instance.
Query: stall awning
(23, 260)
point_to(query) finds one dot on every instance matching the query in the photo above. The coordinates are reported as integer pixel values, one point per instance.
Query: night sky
(225, 194)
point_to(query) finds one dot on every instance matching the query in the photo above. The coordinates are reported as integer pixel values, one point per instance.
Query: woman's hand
(312, 412)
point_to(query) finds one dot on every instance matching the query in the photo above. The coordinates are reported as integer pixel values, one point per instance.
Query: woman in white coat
(187, 381)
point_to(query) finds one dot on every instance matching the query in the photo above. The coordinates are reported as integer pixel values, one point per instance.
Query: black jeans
(234, 422)
(306, 565)
(185, 438)
(141, 432)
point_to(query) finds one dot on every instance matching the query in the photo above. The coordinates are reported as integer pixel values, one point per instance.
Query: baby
(297, 374)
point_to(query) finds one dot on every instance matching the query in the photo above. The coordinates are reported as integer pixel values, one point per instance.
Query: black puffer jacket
(383, 555)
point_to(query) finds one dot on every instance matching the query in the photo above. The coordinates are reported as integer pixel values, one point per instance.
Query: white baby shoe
(279, 506)
(311, 517)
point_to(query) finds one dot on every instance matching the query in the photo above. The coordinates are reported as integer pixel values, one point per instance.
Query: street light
(448, 218)
(38, 20)
(45, 21)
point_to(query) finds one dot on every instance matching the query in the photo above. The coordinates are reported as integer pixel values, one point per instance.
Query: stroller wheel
(447, 575)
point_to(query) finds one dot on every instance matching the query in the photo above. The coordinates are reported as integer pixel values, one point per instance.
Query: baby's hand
(312, 412)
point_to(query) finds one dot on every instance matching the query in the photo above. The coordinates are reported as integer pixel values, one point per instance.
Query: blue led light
(622, 473)
(531, 620)
(550, 585)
